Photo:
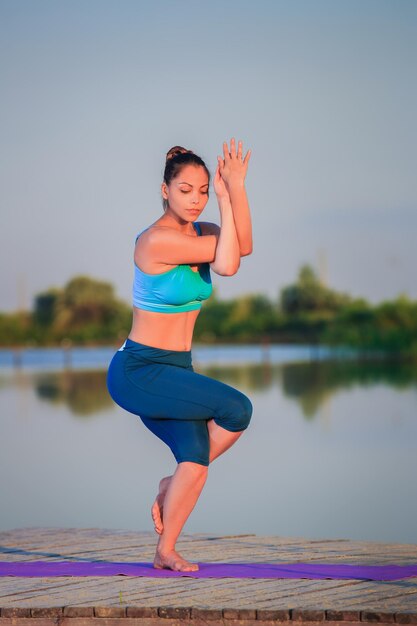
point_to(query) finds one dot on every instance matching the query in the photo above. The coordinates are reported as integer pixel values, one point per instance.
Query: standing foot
(158, 505)
(173, 561)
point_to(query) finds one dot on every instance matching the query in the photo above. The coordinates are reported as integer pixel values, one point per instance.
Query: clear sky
(93, 94)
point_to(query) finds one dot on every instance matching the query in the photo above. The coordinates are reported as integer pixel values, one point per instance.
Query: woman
(151, 375)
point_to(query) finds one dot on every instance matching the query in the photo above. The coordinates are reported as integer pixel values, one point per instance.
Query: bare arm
(219, 247)
(227, 259)
(168, 246)
(233, 171)
(241, 214)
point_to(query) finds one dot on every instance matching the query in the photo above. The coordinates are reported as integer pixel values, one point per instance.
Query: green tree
(45, 306)
(250, 317)
(15, 328)
(88, 310)
(212, 320)
(308, 294)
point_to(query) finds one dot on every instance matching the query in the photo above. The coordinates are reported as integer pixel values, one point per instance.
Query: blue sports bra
(174, 291)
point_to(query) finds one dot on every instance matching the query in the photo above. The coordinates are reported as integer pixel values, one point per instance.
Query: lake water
(330, 452)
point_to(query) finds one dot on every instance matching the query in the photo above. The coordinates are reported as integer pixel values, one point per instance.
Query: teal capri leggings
(173, 401)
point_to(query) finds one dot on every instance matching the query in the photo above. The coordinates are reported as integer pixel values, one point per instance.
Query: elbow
(231, 269)
(246, 248)
(246, 251)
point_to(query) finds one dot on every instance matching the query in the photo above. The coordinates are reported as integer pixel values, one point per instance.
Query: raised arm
(227, 259)
(233, 171)
(219, 246)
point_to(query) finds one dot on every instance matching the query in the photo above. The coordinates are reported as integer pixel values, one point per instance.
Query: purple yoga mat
(208, 570)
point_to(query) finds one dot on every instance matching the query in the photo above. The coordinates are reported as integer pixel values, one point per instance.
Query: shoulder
(208, 228)
(154, 232)
(158, 237)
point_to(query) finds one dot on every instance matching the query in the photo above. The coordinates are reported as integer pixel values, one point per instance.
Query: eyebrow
(183, 182)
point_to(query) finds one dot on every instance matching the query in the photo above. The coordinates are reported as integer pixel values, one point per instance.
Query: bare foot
(158, 505)
(173, 561)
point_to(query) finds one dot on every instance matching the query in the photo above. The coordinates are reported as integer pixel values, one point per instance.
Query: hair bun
(173, 152)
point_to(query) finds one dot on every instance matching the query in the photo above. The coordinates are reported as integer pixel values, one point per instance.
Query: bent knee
(237, 413)
(245, 412)
(248, 411)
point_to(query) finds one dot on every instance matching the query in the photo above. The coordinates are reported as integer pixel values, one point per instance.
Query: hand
(219, 185)
(232, 168)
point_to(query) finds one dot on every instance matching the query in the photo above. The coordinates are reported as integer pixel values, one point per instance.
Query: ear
(164, 191)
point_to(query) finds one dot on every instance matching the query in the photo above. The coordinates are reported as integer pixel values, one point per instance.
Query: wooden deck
(124, 600)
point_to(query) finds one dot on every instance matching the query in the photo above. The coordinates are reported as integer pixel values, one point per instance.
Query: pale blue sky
(324, 92)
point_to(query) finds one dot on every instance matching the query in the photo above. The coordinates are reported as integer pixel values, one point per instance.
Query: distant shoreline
(79, 356)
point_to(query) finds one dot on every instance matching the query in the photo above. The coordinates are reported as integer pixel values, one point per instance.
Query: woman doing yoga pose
(152, 375)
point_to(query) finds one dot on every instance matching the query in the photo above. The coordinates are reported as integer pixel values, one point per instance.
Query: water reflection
(310, 384)
(84, 392)
(338, 469)
(246, 377)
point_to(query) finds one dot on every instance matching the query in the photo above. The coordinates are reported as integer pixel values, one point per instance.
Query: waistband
(182, 358)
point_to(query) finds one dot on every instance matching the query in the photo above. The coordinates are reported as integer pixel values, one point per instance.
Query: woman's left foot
(158, 505)
(173, 561)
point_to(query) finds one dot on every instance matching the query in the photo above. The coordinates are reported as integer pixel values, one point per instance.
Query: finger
(247, 157)
(220, 162)
(233, 148)
(226, 151)
(239, 150)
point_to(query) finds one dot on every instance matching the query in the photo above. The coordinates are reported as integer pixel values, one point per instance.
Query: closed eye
(204, 192)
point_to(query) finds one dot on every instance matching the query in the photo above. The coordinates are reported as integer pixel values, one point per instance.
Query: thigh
(169, 392)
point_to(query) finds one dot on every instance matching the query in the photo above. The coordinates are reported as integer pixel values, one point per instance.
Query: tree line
(87, 311)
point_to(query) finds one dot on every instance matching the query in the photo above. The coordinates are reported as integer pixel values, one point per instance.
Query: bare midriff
(168, 331)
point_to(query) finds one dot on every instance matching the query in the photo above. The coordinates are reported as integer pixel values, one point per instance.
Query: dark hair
(177, 157)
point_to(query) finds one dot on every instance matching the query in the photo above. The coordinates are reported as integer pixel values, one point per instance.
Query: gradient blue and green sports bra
(174, 291)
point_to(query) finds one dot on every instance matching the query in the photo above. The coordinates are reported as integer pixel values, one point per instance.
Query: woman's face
(187, 194)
